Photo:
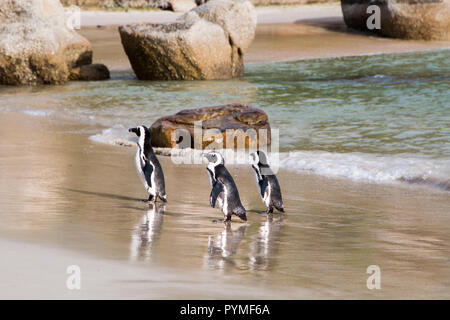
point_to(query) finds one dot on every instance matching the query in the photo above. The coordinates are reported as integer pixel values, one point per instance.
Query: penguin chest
(140, 164)
(222, 200)
(138, 161)
(267, 193)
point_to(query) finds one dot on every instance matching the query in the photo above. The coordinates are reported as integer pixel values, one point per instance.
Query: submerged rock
(36, 45)
(207, 42)
(90, 72)
(240, 120)
(405, 19)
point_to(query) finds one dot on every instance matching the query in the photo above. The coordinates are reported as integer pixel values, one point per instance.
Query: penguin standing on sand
(147, 165)
(266, 182)
(224, 190)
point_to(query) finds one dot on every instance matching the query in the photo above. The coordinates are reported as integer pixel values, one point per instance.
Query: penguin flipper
(215, 192)
(263, 186)
(148, 169)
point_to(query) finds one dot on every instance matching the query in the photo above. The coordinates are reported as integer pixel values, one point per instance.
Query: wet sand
(66, 200)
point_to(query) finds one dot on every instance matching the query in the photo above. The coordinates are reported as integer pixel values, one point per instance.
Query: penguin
(223, 188)
(266, 182)
(148, 167)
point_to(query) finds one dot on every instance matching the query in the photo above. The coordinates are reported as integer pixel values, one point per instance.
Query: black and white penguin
(223, 188)
(147, 165)
(266, 182)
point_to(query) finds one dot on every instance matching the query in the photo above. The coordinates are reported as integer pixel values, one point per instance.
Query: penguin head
(214, 157)
(254, 159)
(140, 131)
(258, 159)
(143, 134)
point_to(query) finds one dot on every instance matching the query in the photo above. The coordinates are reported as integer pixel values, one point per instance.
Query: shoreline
(108, 49)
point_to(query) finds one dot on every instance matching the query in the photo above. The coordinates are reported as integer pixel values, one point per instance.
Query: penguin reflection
(265, 246)
(223, 246)
(147, 232)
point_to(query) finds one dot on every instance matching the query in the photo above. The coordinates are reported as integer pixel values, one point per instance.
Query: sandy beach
(68, 200)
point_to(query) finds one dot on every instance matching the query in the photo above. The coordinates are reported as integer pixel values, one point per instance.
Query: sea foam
(373, 168)
(115, 136)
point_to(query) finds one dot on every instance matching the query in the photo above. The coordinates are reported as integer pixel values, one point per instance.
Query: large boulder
(207, 42)
(36, 44)
(405, 19)
(245, 126)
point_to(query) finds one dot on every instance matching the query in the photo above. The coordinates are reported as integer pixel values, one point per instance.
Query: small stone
(90, 72)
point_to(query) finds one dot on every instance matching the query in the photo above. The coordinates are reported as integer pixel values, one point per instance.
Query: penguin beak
(205, 155)
(134, 130)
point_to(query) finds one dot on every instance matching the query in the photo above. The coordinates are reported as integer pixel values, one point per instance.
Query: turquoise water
(378, 118)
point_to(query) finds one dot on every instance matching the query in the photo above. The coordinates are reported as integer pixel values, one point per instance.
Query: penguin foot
(268, 211)
(220, 221)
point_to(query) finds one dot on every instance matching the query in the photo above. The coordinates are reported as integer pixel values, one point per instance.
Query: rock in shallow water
(405, 19)
(90, 72)
(237, 118)
(207, 42)
(36, 45)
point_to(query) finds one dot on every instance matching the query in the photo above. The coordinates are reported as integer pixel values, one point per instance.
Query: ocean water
(379, 119)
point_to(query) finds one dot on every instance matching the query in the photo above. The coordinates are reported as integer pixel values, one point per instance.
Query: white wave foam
(355, 166)
(115, 136)
(30, 112)
(368, 167)
(37, 113)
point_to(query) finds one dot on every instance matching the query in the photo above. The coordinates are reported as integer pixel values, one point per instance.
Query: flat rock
(236, 118)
